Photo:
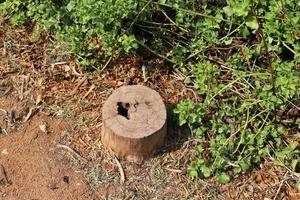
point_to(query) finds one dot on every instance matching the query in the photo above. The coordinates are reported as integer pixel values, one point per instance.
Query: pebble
(4, 152)
(52, 184)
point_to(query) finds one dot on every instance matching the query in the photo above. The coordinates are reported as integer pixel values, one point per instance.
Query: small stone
(250, 188)
(35, 136)
(43, 128)
(52, 184)
(4, 152)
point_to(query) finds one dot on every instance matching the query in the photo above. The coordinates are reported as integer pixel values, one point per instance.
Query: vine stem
(270, 66)
(190, 11)
(137, 16)
(155, 53)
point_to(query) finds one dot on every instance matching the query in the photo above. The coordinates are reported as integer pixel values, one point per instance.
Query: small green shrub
(92, 29)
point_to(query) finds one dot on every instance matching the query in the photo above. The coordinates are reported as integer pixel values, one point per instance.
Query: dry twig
(120, 170)
(71, 151)
(88, 92)
(81, 81)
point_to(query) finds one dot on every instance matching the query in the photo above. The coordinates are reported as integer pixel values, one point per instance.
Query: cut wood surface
(134, 122)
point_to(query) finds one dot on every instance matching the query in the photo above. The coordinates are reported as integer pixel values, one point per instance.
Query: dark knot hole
(123, 109)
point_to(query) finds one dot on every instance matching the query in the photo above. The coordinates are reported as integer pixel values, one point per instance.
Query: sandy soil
(28, 167)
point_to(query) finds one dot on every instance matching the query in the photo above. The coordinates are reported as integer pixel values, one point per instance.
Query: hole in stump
(123, 109)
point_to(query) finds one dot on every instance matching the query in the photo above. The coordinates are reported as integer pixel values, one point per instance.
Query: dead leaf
(292, 194)
(75, 72)
(25, 64)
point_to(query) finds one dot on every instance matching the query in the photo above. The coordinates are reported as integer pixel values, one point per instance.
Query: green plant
(246, 78)
(92, 29)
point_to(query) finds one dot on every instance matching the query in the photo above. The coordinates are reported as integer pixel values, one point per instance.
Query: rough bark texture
(134, 122)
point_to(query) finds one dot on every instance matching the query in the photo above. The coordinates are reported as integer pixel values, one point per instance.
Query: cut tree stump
(134, 122)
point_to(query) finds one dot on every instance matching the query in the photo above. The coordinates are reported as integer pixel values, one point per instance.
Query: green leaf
(252, 23)
(36, 33)
(244, 164)
(228, 41)
(298, 186)
(192, 172)
(245, 32)
(223, 178)
(294, 164)
(206, 171)
(237, 170)
(199, 149)
(71, 5)
(228, 10)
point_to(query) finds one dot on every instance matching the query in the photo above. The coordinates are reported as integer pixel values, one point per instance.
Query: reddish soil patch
(28, 169)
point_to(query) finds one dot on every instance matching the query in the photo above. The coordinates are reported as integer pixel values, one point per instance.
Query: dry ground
(50, 122)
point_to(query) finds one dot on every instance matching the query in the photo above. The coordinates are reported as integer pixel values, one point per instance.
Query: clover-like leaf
(223, 178)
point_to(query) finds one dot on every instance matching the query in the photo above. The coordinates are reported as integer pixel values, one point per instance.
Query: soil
(32, 172)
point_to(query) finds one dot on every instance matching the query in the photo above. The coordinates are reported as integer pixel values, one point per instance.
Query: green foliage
(92, 29)
(298, 186)
(236, 120)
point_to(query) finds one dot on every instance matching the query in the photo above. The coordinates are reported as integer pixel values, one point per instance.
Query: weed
(244, 87)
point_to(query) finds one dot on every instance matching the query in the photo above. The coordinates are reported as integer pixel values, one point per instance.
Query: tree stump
(134, 122)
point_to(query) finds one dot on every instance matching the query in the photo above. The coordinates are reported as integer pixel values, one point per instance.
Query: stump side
(133, 149)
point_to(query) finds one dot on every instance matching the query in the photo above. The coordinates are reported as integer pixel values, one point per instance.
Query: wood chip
(12, 115)
(38, 99)
(52, 184)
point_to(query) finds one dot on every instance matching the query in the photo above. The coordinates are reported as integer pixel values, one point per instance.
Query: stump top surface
(134, 111)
